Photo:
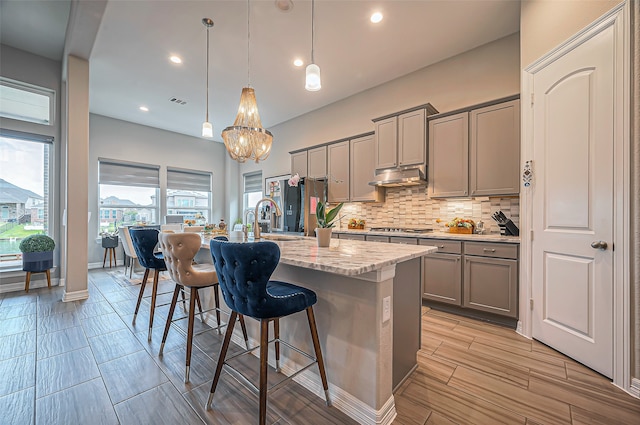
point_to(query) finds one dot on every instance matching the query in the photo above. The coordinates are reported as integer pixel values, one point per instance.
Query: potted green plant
(326, 220)
(37, 253)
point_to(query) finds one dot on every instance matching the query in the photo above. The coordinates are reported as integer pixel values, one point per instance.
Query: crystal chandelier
(207, 128)
(246, 139)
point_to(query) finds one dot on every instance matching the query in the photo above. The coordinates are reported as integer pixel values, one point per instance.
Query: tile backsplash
(411, 207)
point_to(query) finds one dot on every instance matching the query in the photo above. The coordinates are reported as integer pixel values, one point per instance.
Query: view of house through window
(24, 193)
(189, 195)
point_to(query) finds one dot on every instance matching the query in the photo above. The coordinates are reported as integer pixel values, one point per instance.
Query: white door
(572, 247)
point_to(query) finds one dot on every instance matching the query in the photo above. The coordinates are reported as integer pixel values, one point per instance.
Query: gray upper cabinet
(495, 150)
(387, 143)
(363, 169)
(449, 156)
(317, 162)
(338, 165)
(412, 140)
(299, 163)
(401, 140)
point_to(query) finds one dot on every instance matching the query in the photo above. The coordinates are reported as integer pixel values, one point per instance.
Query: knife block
(508, 228)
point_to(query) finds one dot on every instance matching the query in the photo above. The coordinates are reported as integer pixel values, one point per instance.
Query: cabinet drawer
(445, 246)
(376, 238)
(352, 237)
(403, 240)
(497, 250)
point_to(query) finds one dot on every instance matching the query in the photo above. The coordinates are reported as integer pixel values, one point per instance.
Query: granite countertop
(344, 257)
(491, 237)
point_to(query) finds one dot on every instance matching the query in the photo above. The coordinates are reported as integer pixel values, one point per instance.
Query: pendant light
(313, 71)
(246, 139)
(207, 128)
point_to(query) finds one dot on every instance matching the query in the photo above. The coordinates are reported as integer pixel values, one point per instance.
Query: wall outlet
(386, 309)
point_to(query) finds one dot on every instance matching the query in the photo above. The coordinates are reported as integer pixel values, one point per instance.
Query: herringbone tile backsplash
(411, 207)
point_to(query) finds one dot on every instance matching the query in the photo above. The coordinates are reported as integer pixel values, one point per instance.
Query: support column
(77, 177)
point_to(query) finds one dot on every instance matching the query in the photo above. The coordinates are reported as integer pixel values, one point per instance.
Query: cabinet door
(317, 163)
(491, 284)
(387, 143)
(449, 156)
(338, 166)
(442, 278)
(412, 142)
(299, 163)
(363, 170)
(495, 150)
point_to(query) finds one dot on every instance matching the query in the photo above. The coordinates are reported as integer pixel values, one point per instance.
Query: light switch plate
(386, 309)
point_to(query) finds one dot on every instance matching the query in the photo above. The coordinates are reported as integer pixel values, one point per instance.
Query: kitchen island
(368, 316)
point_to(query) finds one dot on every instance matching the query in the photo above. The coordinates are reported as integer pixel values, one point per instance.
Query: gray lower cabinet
(491, 285)
(442, 278)
(351, 237)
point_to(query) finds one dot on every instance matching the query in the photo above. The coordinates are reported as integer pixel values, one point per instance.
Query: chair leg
(154, 293)
(264, 354)
(132, 262)
(244, 331)
(27, 281)
(194, 291)
(48, 273)
(172, 308)
(192, 314)
(221, 357)
(276, 334)
(142, 285)
(184, 305)
(318, 350)
(216, 295)
(104, 258)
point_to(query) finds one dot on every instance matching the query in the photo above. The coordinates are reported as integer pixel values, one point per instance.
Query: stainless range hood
(398, 177)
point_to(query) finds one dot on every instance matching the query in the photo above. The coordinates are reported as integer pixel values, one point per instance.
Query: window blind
(128, 173)
(179, 179)
(253, 182)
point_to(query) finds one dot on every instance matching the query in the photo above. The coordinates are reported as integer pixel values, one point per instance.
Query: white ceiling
(130, 66)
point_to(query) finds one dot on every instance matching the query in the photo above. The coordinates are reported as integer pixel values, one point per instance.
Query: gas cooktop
(400, 229)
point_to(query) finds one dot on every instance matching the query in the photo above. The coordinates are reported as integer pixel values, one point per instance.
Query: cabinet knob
(440, 246)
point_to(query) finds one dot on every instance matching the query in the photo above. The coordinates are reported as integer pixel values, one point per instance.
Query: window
(252, 191)
(128, 194)
(25, 102)
(189, 194)
(25, 198)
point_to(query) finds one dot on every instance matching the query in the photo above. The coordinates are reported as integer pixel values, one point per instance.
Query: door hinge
(531, 303)
(532, 99)
(531, 234)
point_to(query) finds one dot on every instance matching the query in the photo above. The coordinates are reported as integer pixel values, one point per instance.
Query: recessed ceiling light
(144, 109)
(376, 17)
(298, 62)
(175, 59)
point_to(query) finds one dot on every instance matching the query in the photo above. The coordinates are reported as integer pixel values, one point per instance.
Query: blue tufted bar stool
(144, 242)
(179, 250)
(244, 270)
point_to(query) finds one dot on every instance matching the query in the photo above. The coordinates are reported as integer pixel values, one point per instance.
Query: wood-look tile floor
(86, 363)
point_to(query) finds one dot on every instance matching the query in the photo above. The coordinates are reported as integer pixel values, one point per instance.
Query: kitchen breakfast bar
(368, 315)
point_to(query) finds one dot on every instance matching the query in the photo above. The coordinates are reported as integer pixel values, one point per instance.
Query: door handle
(599, 245)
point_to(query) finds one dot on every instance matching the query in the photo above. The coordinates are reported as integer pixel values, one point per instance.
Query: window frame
(30, 88)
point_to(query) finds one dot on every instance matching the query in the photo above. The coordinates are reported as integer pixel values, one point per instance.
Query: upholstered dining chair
(130, 255)
(144, 241)
(244, 271)
(179, 250)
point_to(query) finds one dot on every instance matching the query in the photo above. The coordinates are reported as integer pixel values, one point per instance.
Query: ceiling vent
(177, 101)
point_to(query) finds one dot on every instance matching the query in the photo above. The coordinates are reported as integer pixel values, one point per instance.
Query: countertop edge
(492, 237)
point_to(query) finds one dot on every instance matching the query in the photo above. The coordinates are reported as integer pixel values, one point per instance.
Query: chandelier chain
(313, 8)
(248, 42)
(207, 118)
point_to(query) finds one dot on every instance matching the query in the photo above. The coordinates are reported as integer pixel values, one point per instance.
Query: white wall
(116, 139)
(488, 72)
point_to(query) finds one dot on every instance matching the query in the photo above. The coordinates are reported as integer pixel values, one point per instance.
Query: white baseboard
(75, 296)
(353, 407)
(19, 286)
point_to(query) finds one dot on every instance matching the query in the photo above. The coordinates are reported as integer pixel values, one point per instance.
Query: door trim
(618, 18)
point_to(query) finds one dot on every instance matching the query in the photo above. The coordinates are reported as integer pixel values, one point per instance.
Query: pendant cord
(248, 41)
(207, 118)
(312, 28)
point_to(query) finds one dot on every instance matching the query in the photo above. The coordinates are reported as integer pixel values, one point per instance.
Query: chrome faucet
(256, 227)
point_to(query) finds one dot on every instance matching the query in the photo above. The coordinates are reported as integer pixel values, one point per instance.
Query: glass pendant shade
(246, 139)
(207, 129)
(313, 78)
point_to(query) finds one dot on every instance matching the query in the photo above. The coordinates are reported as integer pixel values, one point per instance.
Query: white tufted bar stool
(179, 250)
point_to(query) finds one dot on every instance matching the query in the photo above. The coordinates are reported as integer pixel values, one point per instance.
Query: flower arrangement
(189, 222)
(356, 223)
(294, 180)
(461, 225)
